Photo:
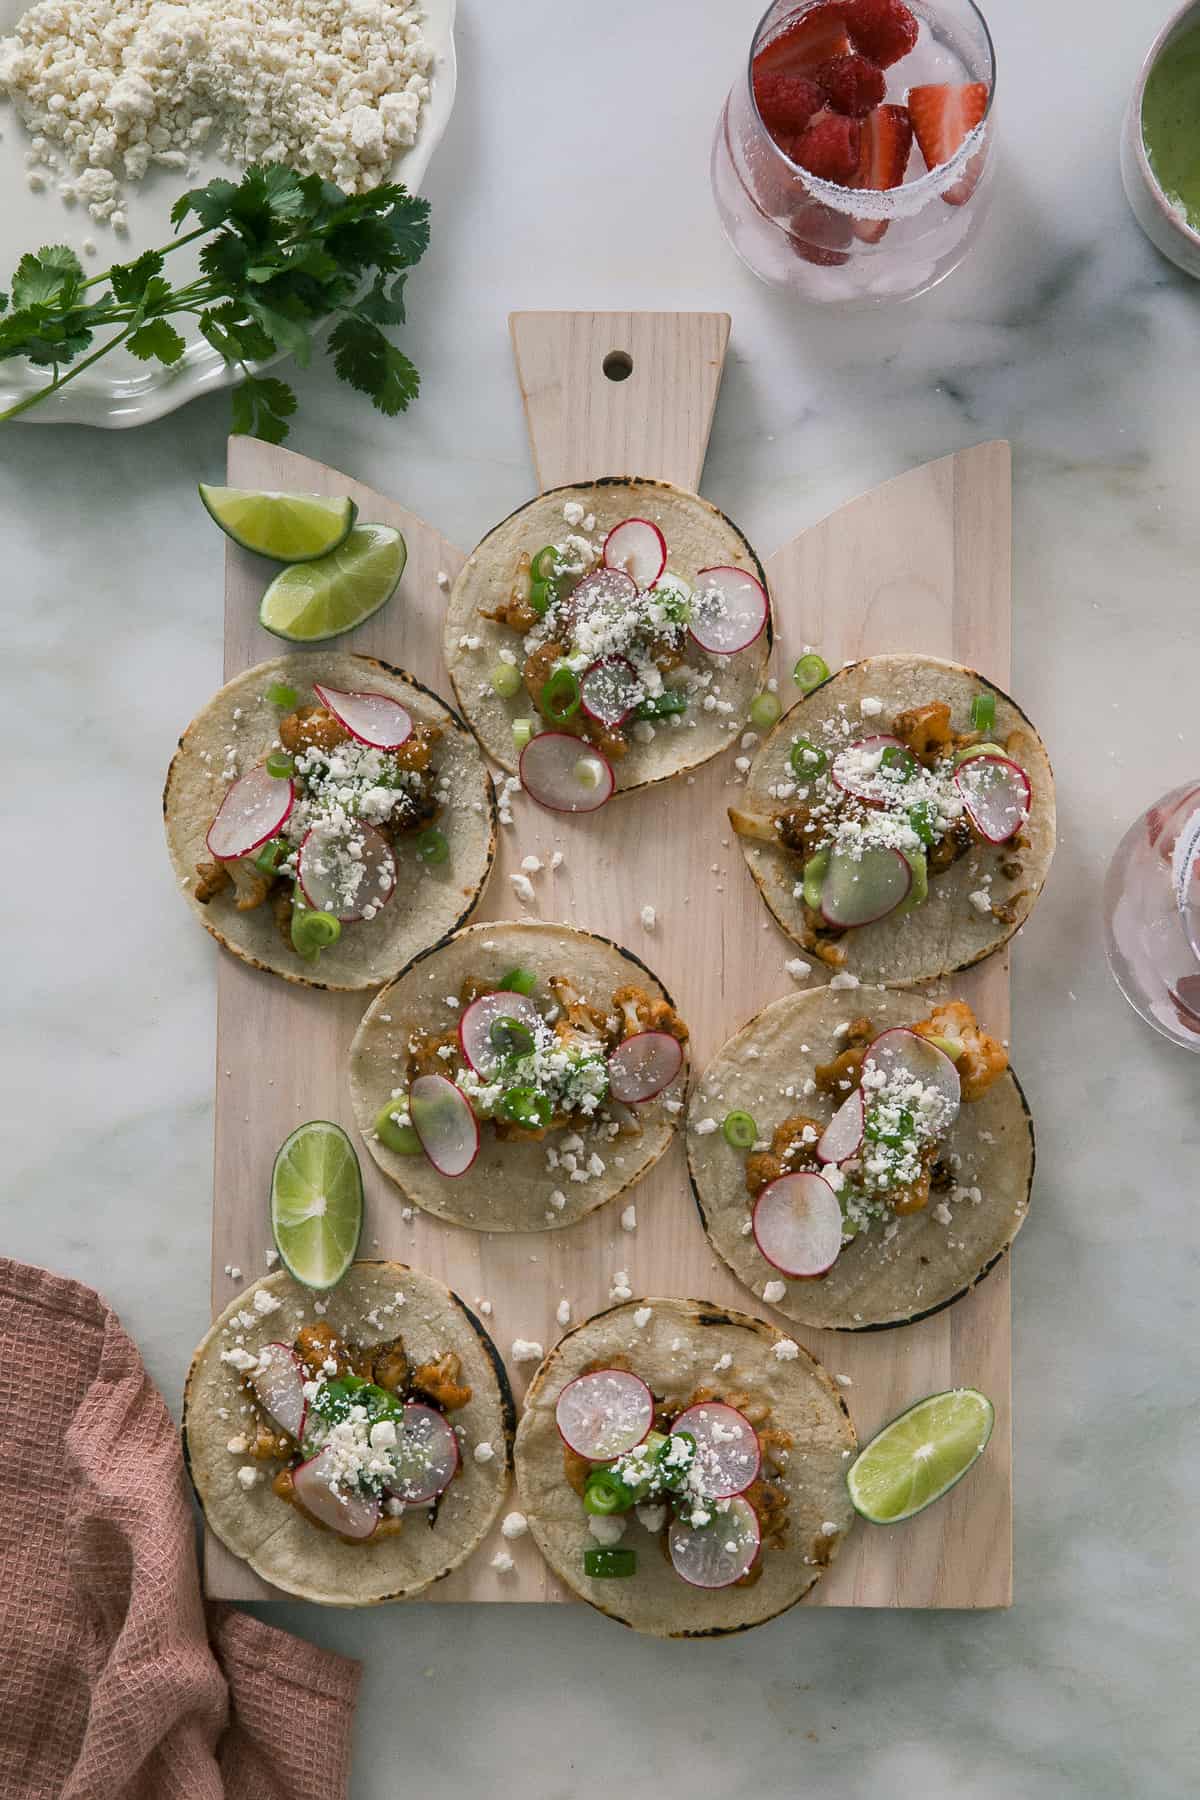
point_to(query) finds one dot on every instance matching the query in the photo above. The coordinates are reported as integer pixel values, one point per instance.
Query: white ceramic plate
(120, 390)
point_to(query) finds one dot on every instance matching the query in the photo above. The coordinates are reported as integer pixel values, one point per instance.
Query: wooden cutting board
(922, 563)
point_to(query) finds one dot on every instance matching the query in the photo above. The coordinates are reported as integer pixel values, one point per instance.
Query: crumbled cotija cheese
(108, 87)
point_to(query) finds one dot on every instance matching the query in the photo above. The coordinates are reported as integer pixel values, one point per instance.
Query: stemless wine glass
(828, 242)
(1152, 915)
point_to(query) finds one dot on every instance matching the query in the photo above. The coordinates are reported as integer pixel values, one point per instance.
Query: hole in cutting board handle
(618, 365)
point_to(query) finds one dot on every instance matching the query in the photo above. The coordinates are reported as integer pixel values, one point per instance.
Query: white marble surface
(574, 174)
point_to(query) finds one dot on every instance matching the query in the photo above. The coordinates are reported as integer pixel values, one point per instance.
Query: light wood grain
(656, 422)
(922, 563)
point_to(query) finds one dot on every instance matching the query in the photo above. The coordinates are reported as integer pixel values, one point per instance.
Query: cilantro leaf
(261, 408)
(369, 362)
(130, 280)
(156, 339)
(54, 274)
(384, 305)
(210, 204)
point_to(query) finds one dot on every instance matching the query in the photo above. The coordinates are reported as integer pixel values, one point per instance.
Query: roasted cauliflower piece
(311, 728)
(984, 1059)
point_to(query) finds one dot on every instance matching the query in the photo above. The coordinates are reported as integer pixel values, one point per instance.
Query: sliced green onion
(588, 772)
(280, 694)
(951, 1047)
(609, 1564)
(810, 672)
(902, 761)
(606, 1494)
(560, 696)
(506, 680)
(394, 1136)
(765, 709)
(970, 751)
(983, 712)
(544, 564)
(527, 1106)
(313, 932)
(522, 730)
(519, 981)
(740, 1130)
(280, 764)
(807, 761)
(920, 817)
(542, 595)
(268, 859)
(813, 879)
(894, 1135)
(675, 1474)
(661, 706)
(432, 847)
(509, 1037)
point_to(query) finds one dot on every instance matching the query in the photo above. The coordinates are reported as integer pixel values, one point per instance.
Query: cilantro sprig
(283, 254)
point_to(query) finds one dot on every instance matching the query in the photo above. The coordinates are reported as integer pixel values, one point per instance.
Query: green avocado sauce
(1171, 124)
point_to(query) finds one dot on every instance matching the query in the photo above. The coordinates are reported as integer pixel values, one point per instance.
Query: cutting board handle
(619, 393)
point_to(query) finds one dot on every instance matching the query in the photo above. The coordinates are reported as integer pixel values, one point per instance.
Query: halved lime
(919, 1456)
(317, 1203)
(290, 528)
(317, 600)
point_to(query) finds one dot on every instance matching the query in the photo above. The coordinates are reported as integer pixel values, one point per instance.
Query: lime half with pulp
(291, 528)
(919, 1456)
(313, 601)
(317, 1203)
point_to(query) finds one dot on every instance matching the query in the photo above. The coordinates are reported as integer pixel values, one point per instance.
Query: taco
(519, 1075)
(899, 822)
(683, 1468)
(328, 818)
(628, 617)
(352, 1450)
(860, 1159)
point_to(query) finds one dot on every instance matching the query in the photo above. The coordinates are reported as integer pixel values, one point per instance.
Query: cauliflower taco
(339, 1446)
(519, 1075)
(328, 817)
(683, 1467)
(860, 1158)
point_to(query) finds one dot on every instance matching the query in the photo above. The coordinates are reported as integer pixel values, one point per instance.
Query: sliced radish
(856, 769)
(442, 1119)
(843, 1135)
(602, 1415)
(253, 810)
(996, 793)
(798, 1225)
(901, 1052)
(475, 1027)
(728, 1454)
(343, 1509)
(857, 890)
(278, 1383)
(643, 1066)
(607, 591)
(374, 719)
(729, 610)
(637, 547)
(609, 690)
(718, 1554)
(348, 871)
(426, 1457)
(566, 774)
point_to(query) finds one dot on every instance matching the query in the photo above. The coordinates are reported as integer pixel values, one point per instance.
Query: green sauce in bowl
(1171, 124)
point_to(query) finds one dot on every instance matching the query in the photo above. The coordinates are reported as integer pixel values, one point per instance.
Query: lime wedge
(291, 528)
(317, 1203)
(317, 600)
(919, 1456)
